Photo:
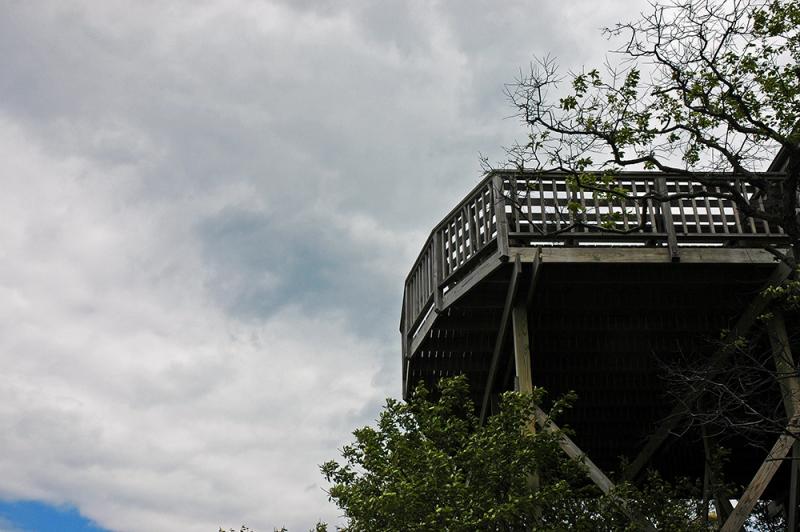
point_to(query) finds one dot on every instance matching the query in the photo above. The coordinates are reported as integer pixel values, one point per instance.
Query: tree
(699, 86)
(430, 465)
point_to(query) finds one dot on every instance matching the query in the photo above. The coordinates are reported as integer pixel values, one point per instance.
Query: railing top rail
(649, 174)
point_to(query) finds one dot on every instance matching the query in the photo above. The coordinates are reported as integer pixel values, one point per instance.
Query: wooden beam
(646, 255)
(785, 370)
(536, 272)
(594, 473)
(501, 335)
(573, 451)
(501, 220)
(786, 375)
(761, 479)
(477, 275)
(743, 324)
(522, 364)
(438, 274)
(522, 347)
(666, 219)
(422, 332)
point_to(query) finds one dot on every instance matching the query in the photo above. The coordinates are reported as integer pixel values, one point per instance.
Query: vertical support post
(785, 370)
(786, 375)
(666, 219)
(522, 362)
(437, 270)
(500, 215)
(522, 349)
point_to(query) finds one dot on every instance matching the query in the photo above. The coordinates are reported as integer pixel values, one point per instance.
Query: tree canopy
(430, 465)
(696, 86)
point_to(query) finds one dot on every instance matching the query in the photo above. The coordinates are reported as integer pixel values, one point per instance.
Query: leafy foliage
(430, 465)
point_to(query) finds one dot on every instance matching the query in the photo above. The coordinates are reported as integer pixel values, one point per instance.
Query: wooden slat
(635, 255)
(500, 216)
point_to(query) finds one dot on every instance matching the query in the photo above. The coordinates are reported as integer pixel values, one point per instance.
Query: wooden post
(500, 214)
(666, 219)
(437, 270)
(785, 370)
(786, 375)
(522, 362)
(522, 348)
(405, 348)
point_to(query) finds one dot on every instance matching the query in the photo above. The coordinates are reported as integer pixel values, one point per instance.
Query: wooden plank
(500, 215)
(522, 347)
(536, 272)
(786, 375)
(422, 332)
(643, 254)
(785, 369)
(573, 451)
(501, 335)
(477, 275)
(760, 481)
(438, 270)
(666, 218)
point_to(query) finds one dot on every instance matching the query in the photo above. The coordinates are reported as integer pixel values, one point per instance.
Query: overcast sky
(208, 209)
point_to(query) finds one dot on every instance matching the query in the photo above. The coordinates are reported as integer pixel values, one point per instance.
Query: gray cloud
(210, 208)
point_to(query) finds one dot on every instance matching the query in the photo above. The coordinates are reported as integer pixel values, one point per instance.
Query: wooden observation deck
(508, 278)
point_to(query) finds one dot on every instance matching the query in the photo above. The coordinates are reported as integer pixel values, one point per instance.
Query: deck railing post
(404, 344)
(499, 203)
(666, 219)
(437, 270)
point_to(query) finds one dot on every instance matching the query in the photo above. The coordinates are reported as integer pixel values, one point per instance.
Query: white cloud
(128, 394)
(209, 209)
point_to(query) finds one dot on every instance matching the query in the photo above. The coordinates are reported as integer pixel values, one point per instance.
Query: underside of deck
(605, 323)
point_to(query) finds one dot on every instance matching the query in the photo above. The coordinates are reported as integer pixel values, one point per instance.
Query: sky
(209, 209)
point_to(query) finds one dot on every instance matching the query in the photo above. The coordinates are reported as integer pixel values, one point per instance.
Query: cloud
(209, 212)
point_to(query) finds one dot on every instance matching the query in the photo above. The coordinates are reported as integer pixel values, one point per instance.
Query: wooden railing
(543, 209)
(539, 211)
(466, 232)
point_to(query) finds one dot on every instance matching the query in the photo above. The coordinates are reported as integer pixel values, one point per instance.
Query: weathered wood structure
(511, 292)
